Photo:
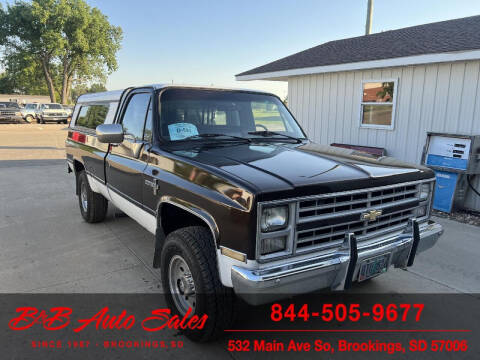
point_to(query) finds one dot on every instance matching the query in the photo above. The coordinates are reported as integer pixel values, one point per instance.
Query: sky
(208, 42)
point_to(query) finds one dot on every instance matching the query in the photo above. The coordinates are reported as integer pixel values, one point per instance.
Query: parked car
(29, 112)
(10, 112)
(52, 113)
(241, 202)
(69, 109)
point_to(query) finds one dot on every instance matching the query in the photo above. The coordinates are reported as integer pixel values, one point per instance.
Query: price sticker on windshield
(181, 131)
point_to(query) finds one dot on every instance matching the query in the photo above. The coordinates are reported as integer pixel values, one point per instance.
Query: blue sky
(208, 42)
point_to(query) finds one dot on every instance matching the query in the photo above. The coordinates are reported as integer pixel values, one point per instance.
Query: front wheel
(93, 206)
(191, 281)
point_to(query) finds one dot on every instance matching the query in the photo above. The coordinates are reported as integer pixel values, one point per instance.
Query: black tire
(38, 121)
(58, 122)
(195, 245)
(96, 205)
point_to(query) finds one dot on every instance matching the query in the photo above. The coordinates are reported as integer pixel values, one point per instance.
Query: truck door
(125, 164)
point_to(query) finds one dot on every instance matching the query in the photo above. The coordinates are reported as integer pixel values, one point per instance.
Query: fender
(71, 163)
(192, 209)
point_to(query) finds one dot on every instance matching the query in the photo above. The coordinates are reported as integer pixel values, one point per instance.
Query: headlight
(425, 190)
(272, 245)
(274, 218)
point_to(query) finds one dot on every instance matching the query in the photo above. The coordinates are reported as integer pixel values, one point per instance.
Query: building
(387, 89)
(23, 99)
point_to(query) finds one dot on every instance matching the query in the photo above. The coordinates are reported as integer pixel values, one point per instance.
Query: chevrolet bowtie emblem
(371, 215)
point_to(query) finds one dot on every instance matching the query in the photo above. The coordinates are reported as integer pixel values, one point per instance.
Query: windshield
(52, 106)
(9, 105)
(31, 106)
(188, 113)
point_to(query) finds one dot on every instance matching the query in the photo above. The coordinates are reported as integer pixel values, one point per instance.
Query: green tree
(24, 76)
(61, 34)
(81, 89)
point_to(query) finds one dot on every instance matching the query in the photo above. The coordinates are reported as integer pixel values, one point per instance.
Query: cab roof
(112, 96)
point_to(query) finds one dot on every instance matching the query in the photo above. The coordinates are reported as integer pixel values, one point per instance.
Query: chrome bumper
(54, 118)
(335, 270)
(11, 118)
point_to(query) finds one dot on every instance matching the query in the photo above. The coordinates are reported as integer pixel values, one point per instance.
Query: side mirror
(110, 133)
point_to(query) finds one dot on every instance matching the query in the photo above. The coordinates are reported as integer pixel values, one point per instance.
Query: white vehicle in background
(52, 113)
(29, 112)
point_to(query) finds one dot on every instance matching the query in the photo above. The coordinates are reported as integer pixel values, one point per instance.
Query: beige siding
(434, 97)
(24, 98)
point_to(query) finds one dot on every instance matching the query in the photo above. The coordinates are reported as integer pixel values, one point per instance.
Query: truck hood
(306, 168)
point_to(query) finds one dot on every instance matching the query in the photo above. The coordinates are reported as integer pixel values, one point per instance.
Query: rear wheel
(190, 280)
(93, 206)
(29, 118)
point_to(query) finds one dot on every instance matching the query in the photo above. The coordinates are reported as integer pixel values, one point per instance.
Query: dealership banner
(320, 326)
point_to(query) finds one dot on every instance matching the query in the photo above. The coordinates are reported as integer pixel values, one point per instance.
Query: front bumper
(54, 118)
(335, 270)
(11, 118)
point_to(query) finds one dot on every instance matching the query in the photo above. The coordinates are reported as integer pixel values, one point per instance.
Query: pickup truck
(29, 112)
(10, 112)
(240, 202)
(52, 113)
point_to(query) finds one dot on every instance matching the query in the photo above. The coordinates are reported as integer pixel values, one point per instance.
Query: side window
(91, 116)
(134, 117)
(82, 116)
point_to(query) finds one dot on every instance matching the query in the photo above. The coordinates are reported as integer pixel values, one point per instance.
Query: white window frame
(394, 104)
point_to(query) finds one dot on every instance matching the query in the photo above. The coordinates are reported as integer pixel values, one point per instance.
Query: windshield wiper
(206, 136)
(268, 133)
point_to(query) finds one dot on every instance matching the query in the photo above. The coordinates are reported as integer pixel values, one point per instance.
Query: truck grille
(53, 114)
(7, 112)
(321, 222)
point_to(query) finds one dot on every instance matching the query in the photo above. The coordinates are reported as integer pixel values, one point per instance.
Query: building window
(377, 108)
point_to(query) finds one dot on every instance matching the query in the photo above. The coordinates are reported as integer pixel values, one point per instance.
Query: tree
(23, 34)
(387, 92)
(81, 89)
(65, 34)
(23, 75)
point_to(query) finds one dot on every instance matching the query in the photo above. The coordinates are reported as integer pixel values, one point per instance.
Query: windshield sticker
(181, 131)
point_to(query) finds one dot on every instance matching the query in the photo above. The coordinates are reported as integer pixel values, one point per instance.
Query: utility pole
(368, 24)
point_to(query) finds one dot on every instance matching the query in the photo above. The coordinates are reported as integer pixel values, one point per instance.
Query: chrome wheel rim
(182, 285)
(83, 197)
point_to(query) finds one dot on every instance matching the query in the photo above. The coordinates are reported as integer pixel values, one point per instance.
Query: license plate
(373, 267)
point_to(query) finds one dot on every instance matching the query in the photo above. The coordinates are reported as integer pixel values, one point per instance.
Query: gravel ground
(32, 141)
(460, 216)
